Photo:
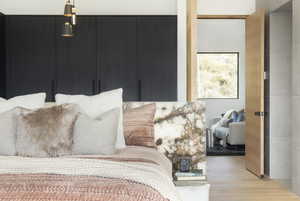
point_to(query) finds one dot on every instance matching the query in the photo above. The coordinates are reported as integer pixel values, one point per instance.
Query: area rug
(219, 150)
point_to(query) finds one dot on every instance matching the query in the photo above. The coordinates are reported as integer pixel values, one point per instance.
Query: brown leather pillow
(47, 132)
(139, 126)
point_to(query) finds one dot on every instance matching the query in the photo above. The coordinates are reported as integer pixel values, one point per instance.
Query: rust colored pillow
(139, 126)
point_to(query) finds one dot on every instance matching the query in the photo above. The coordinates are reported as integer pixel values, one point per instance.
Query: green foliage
(217, 76)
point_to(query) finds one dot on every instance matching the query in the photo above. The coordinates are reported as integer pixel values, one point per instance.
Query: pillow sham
(46, 132)
(32, 101)
(8, 129)
(96, 136)
(96, 105)
(139, 126)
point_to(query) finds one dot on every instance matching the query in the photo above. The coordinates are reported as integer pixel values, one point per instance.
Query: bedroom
(123, 67)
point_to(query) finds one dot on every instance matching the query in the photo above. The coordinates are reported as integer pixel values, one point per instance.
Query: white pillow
(8, 129)
(96, 105)
(96, 136)
(32, 101)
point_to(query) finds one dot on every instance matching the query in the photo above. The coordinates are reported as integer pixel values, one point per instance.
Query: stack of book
(190, 178)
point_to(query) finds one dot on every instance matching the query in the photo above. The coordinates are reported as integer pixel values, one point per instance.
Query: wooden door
(30, 42)
(157, 58)
(76, 57)
(255, 48)
(117, 56)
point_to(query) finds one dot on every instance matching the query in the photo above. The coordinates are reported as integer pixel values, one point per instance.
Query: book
(195, 175)
(192, 178)
(189, 174)
(190, 183)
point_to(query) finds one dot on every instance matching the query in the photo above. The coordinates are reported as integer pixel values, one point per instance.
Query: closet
(2, 57)
(136, 53)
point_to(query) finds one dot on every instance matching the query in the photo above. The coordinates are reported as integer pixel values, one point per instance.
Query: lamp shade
(67, 30)
(68, 9)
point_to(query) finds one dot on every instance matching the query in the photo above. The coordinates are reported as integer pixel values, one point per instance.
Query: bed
(132, 174)
(39, 146)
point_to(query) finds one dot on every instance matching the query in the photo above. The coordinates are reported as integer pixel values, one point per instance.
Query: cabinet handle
(94, 86)
(99, 86)
(53, 89)
(140, 90)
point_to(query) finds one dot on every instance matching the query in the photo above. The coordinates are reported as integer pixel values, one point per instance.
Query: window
(217, 75)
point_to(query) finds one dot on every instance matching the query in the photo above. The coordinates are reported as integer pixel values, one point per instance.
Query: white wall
(296, 99)
(224, 36)
(275, 4)
(226, 7)
(91, 7)
(280, 94)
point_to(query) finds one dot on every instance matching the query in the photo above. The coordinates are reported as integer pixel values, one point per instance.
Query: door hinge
(260, 114)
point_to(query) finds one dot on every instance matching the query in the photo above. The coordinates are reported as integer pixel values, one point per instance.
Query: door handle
(260, 114)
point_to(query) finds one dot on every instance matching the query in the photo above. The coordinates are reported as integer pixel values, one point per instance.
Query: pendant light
(67, 30)
(74, 19)
(68, 9)
(70, 13)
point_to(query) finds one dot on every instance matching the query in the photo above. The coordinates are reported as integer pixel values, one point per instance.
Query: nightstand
(193, 192)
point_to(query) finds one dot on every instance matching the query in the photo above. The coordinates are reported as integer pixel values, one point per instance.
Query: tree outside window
(217, 75)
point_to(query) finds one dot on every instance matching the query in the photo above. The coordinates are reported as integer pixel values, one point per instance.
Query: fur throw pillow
(47, 132)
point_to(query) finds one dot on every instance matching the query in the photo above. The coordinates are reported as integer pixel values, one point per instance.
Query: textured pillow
(47, 132)
(33, 101)
(241, 116)
(139, 126)
(8, 132)
(96, 136)
(96, 105)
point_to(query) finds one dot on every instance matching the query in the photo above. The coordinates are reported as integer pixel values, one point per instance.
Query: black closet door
(76, 58)
(30, 54)
(2, 57)
(157, 58)
(118, 55)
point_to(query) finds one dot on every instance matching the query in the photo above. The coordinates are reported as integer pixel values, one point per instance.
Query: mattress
(132, 174)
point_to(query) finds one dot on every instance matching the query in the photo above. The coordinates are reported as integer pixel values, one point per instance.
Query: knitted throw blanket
(83, 179)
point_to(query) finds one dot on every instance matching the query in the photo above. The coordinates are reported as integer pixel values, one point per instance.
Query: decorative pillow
(8, 129)
(96, 105)
(234, 116)
(241, 116)
(139, 126)
(96, 136)
(47, 132)
(33, 101)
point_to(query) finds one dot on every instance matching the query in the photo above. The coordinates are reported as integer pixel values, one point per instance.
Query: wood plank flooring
(231, 182)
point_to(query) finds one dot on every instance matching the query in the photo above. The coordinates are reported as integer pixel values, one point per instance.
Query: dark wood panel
(30, 54)
(118, 55)
(76, 58)
(157, 58)
(2, 57)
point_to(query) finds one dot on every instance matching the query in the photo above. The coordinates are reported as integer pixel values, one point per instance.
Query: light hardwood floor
(231, 182)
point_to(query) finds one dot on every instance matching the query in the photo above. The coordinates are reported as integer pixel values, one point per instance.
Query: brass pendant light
(68, 9)
(67, 30)
(70, 13)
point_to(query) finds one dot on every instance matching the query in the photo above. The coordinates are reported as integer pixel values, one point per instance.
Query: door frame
(192, 39)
